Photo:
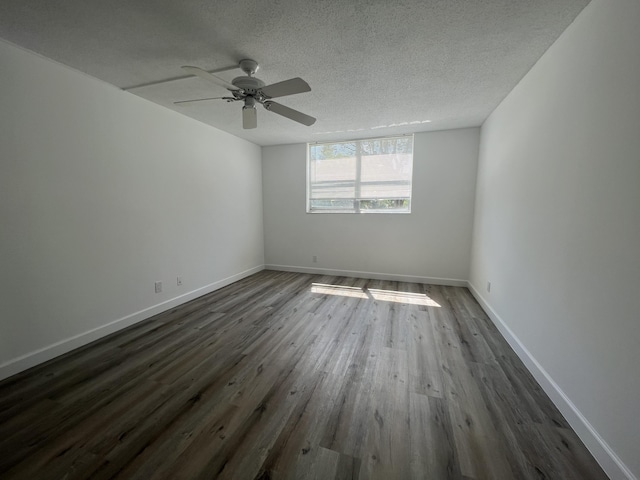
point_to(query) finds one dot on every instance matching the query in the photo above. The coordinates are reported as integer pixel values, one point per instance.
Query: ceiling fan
(252, 90)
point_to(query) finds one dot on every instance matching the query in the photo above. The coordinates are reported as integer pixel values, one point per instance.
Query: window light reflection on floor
(343, 291)
(375, 294)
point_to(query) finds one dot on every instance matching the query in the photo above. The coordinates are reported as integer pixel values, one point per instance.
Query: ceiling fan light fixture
(249, 114)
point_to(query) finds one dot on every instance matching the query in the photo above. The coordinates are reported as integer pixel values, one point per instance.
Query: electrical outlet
(158, 287)
(179, 281)
(489, 287)
(315, 259)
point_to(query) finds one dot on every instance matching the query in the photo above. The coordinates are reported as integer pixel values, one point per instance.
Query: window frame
(357, 186)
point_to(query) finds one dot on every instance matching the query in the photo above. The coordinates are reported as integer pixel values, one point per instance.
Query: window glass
(363, 176)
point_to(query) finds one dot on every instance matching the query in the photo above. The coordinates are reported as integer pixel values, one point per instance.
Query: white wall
(103, 193)
(557, 226)
(430, 244)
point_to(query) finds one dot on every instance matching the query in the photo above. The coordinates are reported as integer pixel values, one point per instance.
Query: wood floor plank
(386, 452)
(249, 456)
(285, 375)
(324, 466)
(296, 447)
(425, 372)
(477, 443)
(348, 468)
(432, 447)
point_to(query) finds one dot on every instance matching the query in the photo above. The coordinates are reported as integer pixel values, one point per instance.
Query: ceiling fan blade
(249, 118)
(287, 87)
(290, 113)
(198, 72)
(200, 100)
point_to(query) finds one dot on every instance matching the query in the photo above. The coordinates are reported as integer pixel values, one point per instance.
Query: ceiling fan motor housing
(250, 85)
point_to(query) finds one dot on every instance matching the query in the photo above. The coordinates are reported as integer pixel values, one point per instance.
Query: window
(360, 176)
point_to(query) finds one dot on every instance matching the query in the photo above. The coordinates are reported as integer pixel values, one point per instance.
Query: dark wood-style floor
(286, 375)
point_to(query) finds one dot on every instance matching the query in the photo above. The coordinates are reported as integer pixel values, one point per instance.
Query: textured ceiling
(375, 67)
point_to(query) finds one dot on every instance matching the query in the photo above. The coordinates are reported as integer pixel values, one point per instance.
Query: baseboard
(372, 275)
(613, 466)
(42, 355)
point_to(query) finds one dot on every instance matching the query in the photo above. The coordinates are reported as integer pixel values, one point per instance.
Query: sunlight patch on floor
(374, 294)
(355, 292)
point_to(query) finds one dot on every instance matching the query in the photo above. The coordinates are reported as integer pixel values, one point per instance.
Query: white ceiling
(375, 67)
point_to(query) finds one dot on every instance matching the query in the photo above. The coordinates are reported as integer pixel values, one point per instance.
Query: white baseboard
(49, 352)
(601, 451)
(372, 275)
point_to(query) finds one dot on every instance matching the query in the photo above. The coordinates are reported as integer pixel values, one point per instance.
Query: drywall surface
(102, 194)
(557, 223)
(432, 243)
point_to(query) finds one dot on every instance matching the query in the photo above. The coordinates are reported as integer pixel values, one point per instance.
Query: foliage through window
(360, 176)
